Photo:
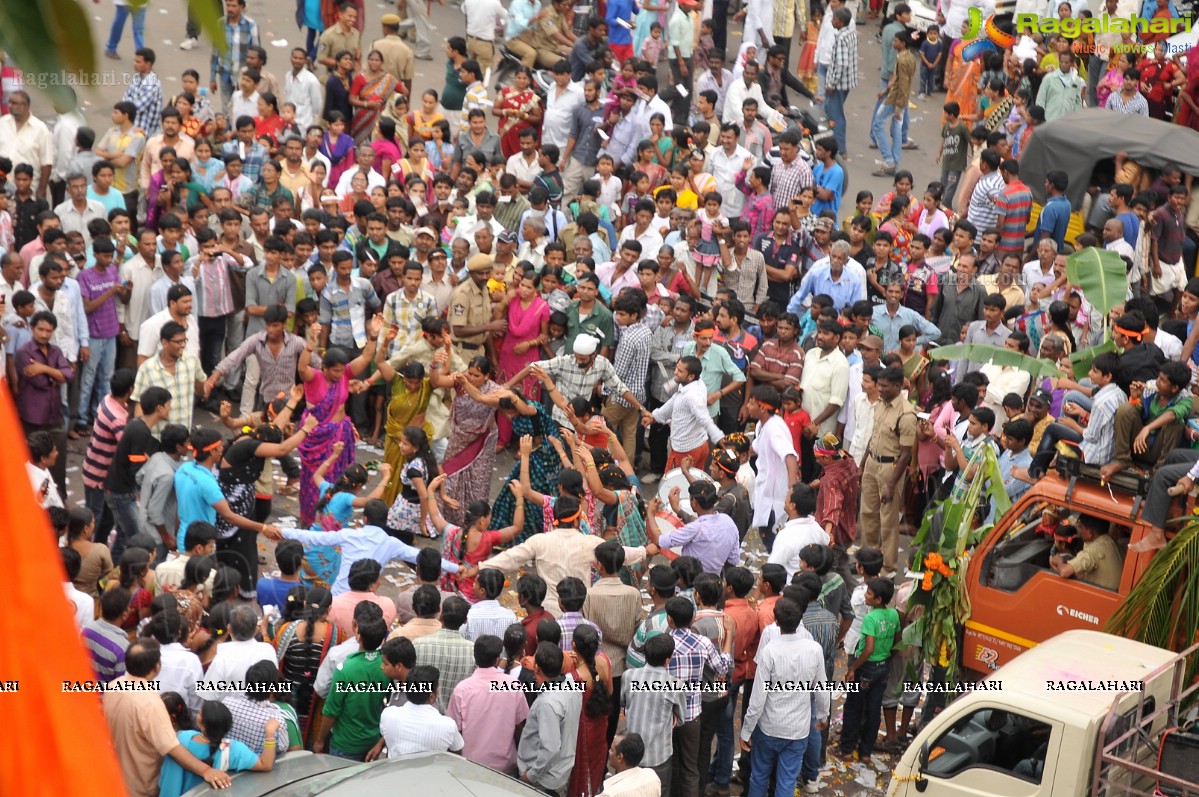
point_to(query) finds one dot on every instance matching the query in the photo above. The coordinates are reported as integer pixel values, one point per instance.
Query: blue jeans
(886, 125)
(814, 752)
(928, 79)
(1081, 399)
(721, 769)
(118, 28)
(863, 709)
(94, 382)
(907, 122)
(834, 108)
(821, 74)
(349, 756)
(773, 756)
(93, 499)
(125, 516)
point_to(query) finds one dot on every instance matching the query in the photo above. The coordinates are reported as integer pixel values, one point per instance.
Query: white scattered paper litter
(279, 42)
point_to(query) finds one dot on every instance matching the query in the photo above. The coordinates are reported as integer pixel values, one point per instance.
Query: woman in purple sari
(326, 391)
(338, 147)
(470, 456)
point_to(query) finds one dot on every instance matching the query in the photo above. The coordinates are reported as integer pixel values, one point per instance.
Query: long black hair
(586, 644)
(514, 645)
(352, 479)
(316, 605)
(417, 438)
(218, 721)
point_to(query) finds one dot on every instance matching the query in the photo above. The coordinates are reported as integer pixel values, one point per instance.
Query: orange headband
(210, 447)
(567, 520)
(1128, 333)
(707, 333)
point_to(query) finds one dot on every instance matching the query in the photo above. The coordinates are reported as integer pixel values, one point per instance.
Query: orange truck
(1016, 600)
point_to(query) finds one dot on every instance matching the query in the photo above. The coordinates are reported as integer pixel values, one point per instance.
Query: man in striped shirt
(112, 414)
(1014, 206)
(106, 642)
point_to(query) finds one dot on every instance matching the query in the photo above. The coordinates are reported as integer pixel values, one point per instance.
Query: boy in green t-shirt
(863, 707)
(360, 690)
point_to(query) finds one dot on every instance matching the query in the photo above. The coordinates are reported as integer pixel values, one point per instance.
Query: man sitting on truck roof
(1099, 562)
(1152, 423)
(1093, 429)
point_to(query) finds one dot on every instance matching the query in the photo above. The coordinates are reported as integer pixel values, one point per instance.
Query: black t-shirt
(245, 466)
(1141, 363)
(134, 449)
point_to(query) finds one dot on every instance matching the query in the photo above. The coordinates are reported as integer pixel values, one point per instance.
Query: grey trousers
(1157, 504)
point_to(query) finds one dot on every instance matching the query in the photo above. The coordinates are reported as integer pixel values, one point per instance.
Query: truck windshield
(993, 739)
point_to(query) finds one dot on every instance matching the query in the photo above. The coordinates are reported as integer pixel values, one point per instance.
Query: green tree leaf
(1100, 275)
(1080, 361)
(208, 17)
(986, 353)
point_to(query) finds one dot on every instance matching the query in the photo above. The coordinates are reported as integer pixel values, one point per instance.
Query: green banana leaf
(1080, 361)
(1100, 275)
(984, 353)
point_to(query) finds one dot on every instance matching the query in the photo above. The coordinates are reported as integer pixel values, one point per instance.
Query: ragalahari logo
(985, 37)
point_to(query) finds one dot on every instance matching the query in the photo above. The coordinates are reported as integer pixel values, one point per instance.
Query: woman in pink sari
(528, 331)
(470, 455)
(326, 392)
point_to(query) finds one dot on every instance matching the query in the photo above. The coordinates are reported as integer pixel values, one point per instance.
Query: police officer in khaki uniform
(398, 59)
(887, 458)
(470, 311)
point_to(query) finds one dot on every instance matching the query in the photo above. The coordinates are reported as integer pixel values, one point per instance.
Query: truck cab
(1017, 601)
(1031, 734)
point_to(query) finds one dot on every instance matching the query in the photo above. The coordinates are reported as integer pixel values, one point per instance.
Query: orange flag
(54, 743)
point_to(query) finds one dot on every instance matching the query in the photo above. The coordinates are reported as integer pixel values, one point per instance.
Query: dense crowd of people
(631, 270)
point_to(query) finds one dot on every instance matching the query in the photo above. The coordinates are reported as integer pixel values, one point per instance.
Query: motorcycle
(812, 124)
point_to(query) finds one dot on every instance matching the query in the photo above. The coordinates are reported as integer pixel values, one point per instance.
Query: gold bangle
(269, 744)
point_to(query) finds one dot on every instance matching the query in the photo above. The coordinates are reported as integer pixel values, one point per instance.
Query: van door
(994, 752)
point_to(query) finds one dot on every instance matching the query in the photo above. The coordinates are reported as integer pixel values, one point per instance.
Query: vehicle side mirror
(922, 761)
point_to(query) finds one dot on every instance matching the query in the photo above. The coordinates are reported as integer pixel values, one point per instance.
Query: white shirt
(148, 342)
(336, 657)
(650, 241)
(181, 669)
(373, 178)
(134, 314)
(32, 144)
(39, 479)
(232, 660)
(410, 728)
(85, 605)
(241, 105)
(773, 445)
(1170, 345)
(634, 782)
(559, 110)
(724, 167)
(482, 18)
(644, 110)
(487, 617)
(521, 169)
(787, 714)
(795, 534)
(687, 413)
(303, 91)
(739, 93)
(824, 41)
(1034, 276)
(825, 381)
(863, 426)
(65, 128)
(759, 16)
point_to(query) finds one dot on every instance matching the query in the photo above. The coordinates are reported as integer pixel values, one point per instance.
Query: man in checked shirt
(692, 653)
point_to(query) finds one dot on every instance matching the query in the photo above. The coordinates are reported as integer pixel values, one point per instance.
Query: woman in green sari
(410, 394)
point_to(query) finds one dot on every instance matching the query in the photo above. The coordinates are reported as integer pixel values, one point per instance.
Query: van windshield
(1043, 531)
(993, 739)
